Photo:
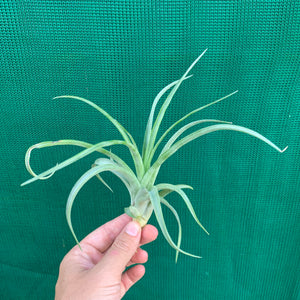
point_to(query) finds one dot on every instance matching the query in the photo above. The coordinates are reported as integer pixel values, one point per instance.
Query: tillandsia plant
(145, 194)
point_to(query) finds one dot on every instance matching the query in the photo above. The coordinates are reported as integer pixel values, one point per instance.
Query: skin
(99, 271)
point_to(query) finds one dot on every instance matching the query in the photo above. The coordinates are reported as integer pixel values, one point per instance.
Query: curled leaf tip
(284, 149)
(57, 97)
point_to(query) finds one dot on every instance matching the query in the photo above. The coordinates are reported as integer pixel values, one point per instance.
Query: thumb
(119, 254)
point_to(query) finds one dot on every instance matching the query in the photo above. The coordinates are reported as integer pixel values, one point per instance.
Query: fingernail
(132, 228)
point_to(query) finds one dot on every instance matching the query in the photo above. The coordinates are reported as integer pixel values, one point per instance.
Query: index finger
(103, 237)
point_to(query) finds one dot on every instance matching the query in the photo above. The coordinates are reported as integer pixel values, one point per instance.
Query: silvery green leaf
(151, 116)
(102, 166)
(165, 192)
(166, 203)
(164, 107)
(178, 133)
(152, 172)
(183, 118)
(155, 200)
(84, 153)
(171, 187)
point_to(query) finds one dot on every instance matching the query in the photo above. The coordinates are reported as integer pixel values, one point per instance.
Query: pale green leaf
(125, 134)
(102, 180)
(165, 192)
(127, 137)
(97, 147)
(128, 178)
(178, 133)
(63, 143)
(155, 200)
(103, 165)
(152, 172)
(182, 119)
(151, 116)
(166, 203)
(164, 107)
(175, 188)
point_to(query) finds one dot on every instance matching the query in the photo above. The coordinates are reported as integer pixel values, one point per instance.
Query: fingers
(97, 243)
(130, 277)
(140, 257)
(121, 251)
(149, 234)
(103, 237)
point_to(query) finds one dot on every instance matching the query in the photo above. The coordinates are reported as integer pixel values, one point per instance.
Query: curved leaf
(125, 134)
(152, 172)
(165, 192)
(102, 180)
(129, 179)
(102, 166)
(171, 187)
(63, 143)
(151, 116)
(97, 147)
(186, 116)
(178, 133)
(164, 107)
(166, 203)
(155, 200)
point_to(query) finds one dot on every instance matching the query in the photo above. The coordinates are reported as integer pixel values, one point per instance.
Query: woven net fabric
(119, 54)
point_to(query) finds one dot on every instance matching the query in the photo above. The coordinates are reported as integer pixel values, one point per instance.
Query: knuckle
(111, 290)
(108, 234)
(121, 245)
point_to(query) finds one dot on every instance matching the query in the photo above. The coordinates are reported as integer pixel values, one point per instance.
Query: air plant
(145, 194)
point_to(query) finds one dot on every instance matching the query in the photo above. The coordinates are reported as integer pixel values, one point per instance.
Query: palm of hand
(91, 274)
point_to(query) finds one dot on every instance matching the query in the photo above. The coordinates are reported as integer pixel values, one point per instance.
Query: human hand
(97, 272)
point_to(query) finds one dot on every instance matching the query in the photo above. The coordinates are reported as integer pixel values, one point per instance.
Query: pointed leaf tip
(79, 246)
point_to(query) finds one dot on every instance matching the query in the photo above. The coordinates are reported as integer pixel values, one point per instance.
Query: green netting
(119, 54)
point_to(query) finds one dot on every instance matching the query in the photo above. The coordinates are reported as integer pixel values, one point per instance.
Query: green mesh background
(119, 54)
